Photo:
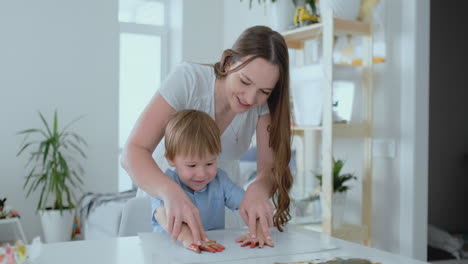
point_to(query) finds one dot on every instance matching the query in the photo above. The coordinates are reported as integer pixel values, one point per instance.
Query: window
(143, 45)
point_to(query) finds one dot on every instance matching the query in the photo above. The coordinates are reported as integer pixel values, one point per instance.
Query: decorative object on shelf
(339, 191)
(347, 48)
(311, 4)
(302, 15)
(306, 94)
(2, 204)
(6, 212)
(54, 171)
(307, 210)
(339, 180)
(290, 14)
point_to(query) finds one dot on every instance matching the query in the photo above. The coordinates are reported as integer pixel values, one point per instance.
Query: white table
(135, 250)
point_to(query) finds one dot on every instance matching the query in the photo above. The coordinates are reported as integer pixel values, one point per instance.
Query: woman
(247, 91)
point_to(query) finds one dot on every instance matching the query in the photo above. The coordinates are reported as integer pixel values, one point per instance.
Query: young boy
(193, 142)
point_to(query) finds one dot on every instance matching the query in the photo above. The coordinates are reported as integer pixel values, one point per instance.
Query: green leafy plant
(54, 168)
(338, 179)
(259, 2)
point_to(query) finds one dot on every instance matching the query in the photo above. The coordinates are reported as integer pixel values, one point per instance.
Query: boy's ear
(171, 162)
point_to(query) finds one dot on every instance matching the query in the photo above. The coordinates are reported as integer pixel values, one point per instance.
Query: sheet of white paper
(159, 246)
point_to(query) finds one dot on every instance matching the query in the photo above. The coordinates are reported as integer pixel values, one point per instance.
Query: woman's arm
(256, 203)
(137, 160)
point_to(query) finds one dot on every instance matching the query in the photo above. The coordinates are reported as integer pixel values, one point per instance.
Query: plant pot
(347, 9)
(57, 227)
(338, 207)
(282, 15)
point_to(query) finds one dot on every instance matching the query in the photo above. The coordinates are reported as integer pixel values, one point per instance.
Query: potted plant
(290, 14)
(339, 191)
(311, 4)
(54, 172)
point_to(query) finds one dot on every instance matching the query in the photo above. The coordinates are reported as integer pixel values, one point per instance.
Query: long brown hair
(262, 42)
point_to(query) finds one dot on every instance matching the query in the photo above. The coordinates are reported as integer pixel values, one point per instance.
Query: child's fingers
(245, 243)
(208, 248)
(220, 247)
(193, 247)
(251, 242)
(214, 245)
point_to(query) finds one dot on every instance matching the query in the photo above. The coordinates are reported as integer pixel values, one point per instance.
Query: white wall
(58, 55)
(202, 31)
(392, 121)
(238, 17)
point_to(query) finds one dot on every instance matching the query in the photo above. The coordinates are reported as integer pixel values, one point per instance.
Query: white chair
(136, 217)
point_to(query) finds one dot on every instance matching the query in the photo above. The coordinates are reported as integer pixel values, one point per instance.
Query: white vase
(347, 9)
(57, 227)
(338, 207)
(282, 15)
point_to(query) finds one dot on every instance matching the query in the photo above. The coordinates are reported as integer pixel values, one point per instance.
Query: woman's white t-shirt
(191, 86)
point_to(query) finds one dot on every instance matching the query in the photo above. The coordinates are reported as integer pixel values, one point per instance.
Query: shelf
(295, 38)
(299, 130)
(339, 130)
(320, 147)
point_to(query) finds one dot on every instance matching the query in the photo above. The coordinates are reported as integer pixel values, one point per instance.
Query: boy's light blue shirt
(210, 201)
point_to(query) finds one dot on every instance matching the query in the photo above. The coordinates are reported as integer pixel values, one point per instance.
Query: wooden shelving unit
(327, 30)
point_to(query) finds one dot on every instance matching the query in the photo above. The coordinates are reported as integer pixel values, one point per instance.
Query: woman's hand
(255, 206)
(260, 239)
(206, 245)
(180, 210)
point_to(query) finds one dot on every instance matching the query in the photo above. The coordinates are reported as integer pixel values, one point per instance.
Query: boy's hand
(209, 246)
(186, 235)
(260, 239)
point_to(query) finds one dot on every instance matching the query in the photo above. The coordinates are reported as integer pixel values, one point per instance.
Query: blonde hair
(263, 42)
(191, 133)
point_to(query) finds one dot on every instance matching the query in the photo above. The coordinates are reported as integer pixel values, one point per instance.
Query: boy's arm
(185, 235)
(233, 193)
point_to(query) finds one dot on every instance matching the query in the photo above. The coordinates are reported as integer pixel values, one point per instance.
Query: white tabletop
(156, 248)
